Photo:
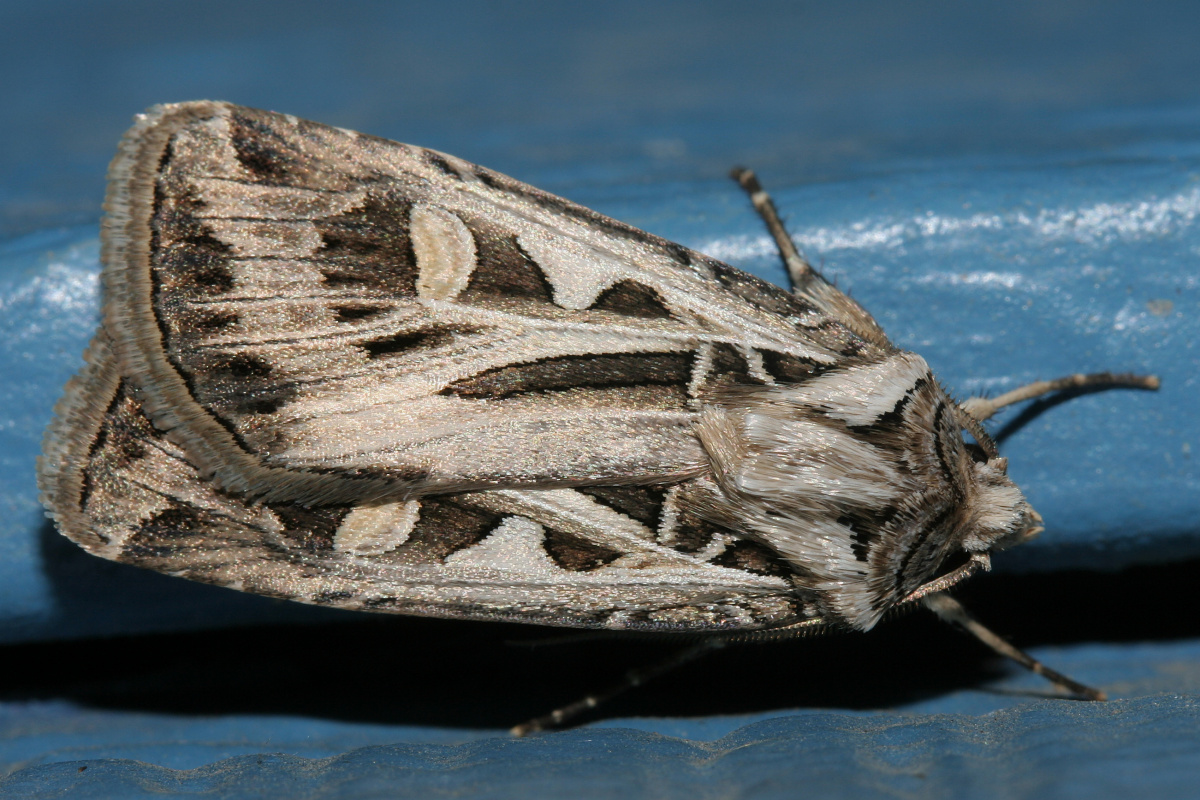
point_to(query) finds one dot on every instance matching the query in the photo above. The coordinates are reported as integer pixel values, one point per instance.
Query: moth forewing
(352, 372)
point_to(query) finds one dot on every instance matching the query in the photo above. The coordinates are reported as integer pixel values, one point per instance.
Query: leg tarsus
(952, 611)
(806, 281)
(799, 270)
(633, 679)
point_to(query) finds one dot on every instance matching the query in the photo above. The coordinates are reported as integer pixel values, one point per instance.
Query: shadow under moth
(341, 370)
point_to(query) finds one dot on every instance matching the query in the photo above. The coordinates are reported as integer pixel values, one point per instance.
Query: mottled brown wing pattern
(291, 297)
(341, 369)
(620, 557)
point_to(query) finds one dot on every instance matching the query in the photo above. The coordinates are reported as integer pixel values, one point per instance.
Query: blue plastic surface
(967, 745)
(1013, 191)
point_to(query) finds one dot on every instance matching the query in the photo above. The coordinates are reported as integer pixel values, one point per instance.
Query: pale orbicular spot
(445, 252)
(374, 530)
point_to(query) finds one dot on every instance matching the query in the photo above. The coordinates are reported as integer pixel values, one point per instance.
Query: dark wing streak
(312, 154)
(262, 220)
(208, 511)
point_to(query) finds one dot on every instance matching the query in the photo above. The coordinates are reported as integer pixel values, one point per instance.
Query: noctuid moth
(341, 370)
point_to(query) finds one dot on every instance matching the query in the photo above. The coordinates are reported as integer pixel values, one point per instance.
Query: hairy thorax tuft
(861, 479)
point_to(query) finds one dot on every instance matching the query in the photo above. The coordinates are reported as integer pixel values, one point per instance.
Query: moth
(345, 371)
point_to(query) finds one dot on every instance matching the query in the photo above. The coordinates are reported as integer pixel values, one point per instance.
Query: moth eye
(978, 455)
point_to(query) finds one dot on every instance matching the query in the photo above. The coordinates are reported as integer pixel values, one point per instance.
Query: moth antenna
(632, 679)
(953, 612)
(982, 408)
(799, 270)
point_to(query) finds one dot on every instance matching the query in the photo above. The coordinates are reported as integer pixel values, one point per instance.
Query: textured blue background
(1012, 190)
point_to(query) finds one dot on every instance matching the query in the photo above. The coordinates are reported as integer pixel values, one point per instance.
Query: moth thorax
(861, 480)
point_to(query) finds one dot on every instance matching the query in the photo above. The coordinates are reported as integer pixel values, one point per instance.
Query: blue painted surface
(970, 745)
(1012, 191)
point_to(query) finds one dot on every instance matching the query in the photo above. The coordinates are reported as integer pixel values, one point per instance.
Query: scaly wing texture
(340, 369)
(316, 313)
(615, 557)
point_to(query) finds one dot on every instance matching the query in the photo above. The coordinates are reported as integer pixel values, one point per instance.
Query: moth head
(999, 515)
(862, 481)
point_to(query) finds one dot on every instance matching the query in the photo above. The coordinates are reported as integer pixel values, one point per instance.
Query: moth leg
(806, 281)
(982, 408)
(799, 270)
(633, 679)
(952, 611)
